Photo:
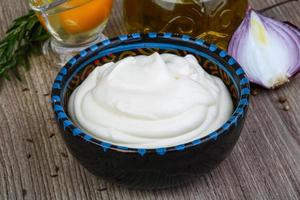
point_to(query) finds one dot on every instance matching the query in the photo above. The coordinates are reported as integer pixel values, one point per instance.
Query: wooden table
(35, 163)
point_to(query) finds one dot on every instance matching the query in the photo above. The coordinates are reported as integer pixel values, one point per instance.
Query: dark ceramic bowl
(161, 167)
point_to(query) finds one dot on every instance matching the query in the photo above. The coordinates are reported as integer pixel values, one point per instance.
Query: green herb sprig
(23, 38)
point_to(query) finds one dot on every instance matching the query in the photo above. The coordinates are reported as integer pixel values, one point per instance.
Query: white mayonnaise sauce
(150, 102)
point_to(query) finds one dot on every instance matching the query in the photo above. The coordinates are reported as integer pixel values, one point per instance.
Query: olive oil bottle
(212, 20)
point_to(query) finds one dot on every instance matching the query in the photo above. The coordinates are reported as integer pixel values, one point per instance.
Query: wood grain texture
(35, 164)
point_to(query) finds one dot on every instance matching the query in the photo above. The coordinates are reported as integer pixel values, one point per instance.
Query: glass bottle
(212, 20)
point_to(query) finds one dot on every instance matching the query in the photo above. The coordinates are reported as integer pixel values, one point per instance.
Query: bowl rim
(67, 125)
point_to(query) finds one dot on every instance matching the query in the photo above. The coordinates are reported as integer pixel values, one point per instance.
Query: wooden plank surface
(35, 164)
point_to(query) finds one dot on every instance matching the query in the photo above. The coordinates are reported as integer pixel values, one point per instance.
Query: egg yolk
(84, 15)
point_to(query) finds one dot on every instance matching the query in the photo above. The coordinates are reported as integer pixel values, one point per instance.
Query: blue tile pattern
(197, 142)
(245, 91)
(58, 108)
(231, 61)
(122, 148)
(142, 152)
(106, 42)
(223, 54)
(167, 35)
(105, 146)
(94, 47)
(152, 35)
(67, 123)
(87, 137)
(200, 42)
(59, 78)
(244, 81)
(136, 35)
(56, 86)
(214, 136)
(161, 151)
(62, 115)
(180, 147)
(213, 48)
(64, 70)
(55, 98)
(239, 71)
(123, 37)
(186, 37)
(73, 61)
(76, 131)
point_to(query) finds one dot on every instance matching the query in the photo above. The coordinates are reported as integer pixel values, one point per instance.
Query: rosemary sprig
(23, 38)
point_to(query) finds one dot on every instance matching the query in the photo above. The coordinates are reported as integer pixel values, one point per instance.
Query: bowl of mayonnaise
(151, 110)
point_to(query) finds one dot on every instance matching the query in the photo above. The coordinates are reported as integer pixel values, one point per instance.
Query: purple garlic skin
(268, 50)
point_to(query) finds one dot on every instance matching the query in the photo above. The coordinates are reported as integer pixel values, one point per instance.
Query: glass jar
(73, 25)
(212, 20)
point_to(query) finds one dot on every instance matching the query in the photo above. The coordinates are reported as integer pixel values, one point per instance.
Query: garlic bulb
(268, 50)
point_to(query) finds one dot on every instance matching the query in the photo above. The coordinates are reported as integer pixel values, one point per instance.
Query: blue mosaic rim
(69, 127)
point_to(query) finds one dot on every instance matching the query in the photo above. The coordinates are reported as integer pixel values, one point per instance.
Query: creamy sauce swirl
(150, 101)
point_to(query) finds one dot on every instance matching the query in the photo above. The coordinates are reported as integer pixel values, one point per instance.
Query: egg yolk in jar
(84, 15)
